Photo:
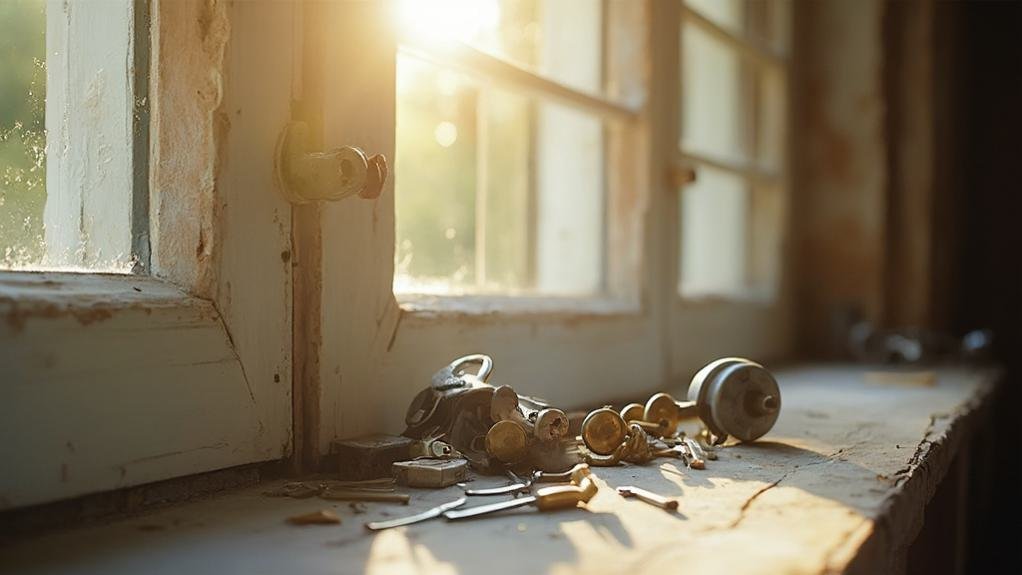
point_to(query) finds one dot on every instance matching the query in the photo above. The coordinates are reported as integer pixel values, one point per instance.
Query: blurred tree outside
(22, 131)
(464, 152)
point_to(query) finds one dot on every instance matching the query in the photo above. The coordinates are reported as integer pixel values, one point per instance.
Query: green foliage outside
(22, 130)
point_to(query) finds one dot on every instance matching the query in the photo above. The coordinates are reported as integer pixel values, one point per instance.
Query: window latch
(305, 176)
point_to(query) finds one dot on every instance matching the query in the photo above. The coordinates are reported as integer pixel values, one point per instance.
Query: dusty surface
(843, 454)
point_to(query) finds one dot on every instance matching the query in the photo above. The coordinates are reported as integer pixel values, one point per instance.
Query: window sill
(517, 307)
(830, 489)
(47, 294)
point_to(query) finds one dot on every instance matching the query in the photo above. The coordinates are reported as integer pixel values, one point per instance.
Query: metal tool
(582, 489)
(525, 485)
(648, 497)
(425, 515)
(512, 489)
(562, 477)
(517, 485)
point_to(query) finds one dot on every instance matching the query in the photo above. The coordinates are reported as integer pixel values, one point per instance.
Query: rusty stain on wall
(840, 196)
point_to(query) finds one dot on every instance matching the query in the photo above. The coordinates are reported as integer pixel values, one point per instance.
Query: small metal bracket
(305, 176)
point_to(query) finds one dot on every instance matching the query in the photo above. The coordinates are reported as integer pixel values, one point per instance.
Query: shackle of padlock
(449, 383)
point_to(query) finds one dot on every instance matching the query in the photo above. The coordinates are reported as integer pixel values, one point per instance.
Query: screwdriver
(582, 488)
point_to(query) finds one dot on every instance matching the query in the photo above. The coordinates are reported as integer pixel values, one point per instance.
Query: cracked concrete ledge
(901, 516)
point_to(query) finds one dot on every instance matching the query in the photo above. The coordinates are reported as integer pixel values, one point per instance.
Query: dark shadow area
(987, 198)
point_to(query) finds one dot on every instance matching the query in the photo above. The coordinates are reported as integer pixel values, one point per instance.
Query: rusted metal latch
(305, 176)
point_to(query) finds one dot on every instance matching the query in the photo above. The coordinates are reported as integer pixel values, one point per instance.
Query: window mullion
(762, 56)
(472, 61)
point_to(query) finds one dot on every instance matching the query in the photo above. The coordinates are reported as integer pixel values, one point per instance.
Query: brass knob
(507, 442)
(603, 430)
(305, 176)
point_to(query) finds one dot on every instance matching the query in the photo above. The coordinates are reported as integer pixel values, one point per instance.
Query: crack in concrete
(748, 502)
(922, 449)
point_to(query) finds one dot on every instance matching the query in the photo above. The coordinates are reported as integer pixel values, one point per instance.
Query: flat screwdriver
(582, 489)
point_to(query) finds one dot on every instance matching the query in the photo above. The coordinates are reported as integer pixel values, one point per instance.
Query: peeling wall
(187, 88)
(840, 166)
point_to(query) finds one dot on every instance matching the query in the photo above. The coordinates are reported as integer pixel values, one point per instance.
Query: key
(582, 489)
(681, 451)
(563, 477)
(425, 515)
(697, 452)
(648, 497)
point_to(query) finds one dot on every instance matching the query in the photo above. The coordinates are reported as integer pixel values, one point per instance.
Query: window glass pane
(22, 131)
(495, 192)
(764, 22)
(66, 147)
(714, 114)
(766, 230)
(559, 39)
(714, 239)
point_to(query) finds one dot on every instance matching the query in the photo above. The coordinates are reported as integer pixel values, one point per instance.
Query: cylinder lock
(736, 397)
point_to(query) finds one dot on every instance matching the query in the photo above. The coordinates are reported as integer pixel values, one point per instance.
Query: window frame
(748, 324)
(108, 381)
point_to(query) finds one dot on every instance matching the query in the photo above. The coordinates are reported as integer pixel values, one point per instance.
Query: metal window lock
(305, 176)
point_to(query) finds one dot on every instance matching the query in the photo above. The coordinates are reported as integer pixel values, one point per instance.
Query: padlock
(459, 407)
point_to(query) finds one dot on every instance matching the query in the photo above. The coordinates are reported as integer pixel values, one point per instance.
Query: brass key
(582, 489)
(648, 497)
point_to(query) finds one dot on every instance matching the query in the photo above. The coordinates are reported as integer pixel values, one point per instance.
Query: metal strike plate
(305, 176)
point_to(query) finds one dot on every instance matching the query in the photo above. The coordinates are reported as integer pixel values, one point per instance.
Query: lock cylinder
(736, 397)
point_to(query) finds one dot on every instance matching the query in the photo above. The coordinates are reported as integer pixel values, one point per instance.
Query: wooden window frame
(108, 381)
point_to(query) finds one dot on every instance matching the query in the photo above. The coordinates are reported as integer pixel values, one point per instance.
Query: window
(501, 170)
(531, 215)
(74, 134)
(733, 85)
(112, 380)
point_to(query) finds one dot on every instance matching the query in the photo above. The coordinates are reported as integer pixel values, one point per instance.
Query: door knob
(305, 176)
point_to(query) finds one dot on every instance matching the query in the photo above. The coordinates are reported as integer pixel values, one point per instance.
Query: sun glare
(449, 20)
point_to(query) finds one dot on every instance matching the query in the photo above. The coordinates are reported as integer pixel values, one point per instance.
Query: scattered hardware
(490, 426)
(425, 515)
(431, 446)
(908, 345)
(648, 497)
(364, 495)
(461, 420)
(434, 473)
(523, 486)
(370, 456)
(294, 489)
(322, 517)
(512, 489)
(517, 486)
(581, 490)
